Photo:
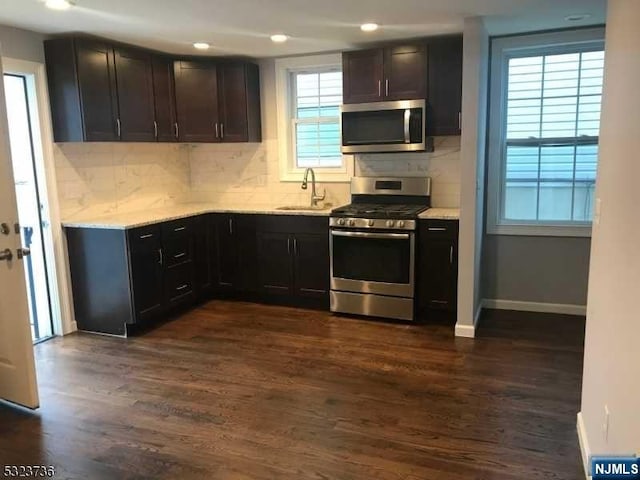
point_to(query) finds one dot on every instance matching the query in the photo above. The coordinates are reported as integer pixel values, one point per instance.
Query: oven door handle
(391, 236)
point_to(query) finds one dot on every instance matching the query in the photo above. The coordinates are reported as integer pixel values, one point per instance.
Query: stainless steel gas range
(372, 246)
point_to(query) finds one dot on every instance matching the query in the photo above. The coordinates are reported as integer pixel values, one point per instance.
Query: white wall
(612, 356)
(474, 113)
(21, 44)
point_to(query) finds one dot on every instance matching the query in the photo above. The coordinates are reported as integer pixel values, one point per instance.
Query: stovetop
(379, 210)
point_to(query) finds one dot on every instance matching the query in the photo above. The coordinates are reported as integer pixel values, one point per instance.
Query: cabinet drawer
(439, 228)
(145, 237)
(179, 282)
(178, 241)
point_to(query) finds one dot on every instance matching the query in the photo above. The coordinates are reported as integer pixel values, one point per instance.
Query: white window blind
(551, 125)
(317, 97)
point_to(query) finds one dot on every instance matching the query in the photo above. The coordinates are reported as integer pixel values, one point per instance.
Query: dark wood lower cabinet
(437, 267)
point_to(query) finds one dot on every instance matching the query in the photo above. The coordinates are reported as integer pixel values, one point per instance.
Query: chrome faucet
(315, 198)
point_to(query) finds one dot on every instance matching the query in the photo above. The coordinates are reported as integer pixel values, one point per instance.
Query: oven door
(379, 263)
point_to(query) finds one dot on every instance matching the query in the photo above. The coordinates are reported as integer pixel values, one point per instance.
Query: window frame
(502, 50)
(285, 69)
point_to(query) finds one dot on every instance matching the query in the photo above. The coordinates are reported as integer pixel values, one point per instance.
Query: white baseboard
(469, 331)
(566, 309)
(584, 445)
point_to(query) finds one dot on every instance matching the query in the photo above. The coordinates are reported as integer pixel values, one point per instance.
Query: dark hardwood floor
(243, 391)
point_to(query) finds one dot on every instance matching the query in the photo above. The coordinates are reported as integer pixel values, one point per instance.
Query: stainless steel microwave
(384, 127)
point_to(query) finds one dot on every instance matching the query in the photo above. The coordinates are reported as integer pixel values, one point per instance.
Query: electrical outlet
(605, 425)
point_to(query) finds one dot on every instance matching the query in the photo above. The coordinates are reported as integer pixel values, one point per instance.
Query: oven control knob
(401, 224)
(341, 221)
(390, 223)
(371, 223)
(352, 222)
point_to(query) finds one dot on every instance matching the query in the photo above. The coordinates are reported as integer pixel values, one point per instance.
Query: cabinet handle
(231, 226)
(289, 245)
(179, 229)
(380, 88)
(295, 246)
(179, 255)
(182, 287)
(451, 255)
(222, 131)
(217, 135)
(155, 129)
(118, 128)
(437, 229)
(148, 235)
(386, 87)
(440, 302)
(175, 129)
(160, 257)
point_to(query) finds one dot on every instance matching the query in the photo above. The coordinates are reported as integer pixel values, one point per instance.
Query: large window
(309, 91)
(545, 115)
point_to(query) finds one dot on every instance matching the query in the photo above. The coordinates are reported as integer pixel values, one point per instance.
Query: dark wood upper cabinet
(164, 98)
(197, 100)
(445, 85)
(405, 72)
(239, 94)
(396, 72)
(362, 76)
(82, 89)
(134, 77)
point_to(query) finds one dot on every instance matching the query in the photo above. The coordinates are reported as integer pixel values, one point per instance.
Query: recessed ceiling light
(279, 38)
(577, 17)
(58, 4)
(369, 27)
(201, 45)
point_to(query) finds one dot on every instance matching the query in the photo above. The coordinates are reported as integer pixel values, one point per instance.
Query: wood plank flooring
(235, 390)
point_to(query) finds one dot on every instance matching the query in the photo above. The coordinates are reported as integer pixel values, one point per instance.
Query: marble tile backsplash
(104, 178)
(97, 179)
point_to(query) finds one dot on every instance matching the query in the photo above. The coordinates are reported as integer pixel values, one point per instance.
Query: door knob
(6, 255)
(23, 252)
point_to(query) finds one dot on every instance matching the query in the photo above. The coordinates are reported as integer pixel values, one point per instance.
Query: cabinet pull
(451, 255)
(179, 229)
(439, 302)
(175, 130)
(155, 129)
(231, 226)
(295, 246)
(182, 287)
(437, 229)
(217, 135)
(380, 88)
(118, 128)
(386, 87)
(160, 257)
(289, 245)
(179, 255)
(148, 235)
(222, 131)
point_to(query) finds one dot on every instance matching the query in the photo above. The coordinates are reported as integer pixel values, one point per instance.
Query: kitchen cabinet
(444, 96)
(196, 83)
(147, 271)
(203, 252)
(396, 72)
(293, 257)
(134, 77)
(235, 253)
(164, 98)
(437, 266)
(105, 91)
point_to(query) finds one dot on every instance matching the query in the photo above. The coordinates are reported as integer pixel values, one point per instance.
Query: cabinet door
(164, 98)
(274, 261)
(244, 227)
(445, 86)
(362, 76)
(146, 271)
(227, 253)
(405, 72)
(135, 95)
(97, 82)
(233, 103)
(437, 269)
(196, 86)
(311, 265)
(203, 233)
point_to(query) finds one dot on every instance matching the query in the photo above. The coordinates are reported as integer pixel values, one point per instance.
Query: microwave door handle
(407, 131)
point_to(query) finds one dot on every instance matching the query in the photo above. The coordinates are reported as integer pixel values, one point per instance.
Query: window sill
(543, 230)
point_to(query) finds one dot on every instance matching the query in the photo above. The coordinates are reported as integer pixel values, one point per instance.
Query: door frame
(55, 242)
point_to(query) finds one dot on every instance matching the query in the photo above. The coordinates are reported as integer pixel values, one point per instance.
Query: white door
(17, 365)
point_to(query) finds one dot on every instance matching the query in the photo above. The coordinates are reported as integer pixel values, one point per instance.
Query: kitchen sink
(305, 207)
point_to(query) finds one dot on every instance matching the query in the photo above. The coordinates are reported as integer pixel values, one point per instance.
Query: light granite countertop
(127, 220)
(441, 214)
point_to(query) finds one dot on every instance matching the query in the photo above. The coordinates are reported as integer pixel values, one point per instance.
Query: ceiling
(243, 27)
